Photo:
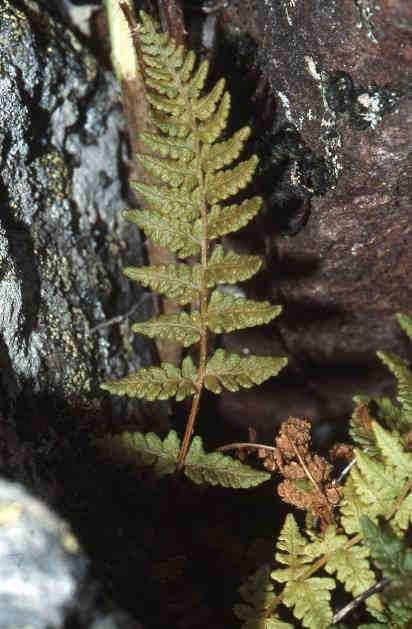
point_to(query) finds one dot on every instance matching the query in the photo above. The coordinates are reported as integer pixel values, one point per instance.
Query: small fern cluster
(184, 213)
(366, 550)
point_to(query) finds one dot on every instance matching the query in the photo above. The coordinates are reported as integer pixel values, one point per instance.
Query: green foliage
(232, 371)
(366, 543)
(157, 383)
(201, 467)
(193, 172)
(394, 416)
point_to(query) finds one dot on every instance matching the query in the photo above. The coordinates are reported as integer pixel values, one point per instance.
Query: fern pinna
(184, 213)
(366, 550)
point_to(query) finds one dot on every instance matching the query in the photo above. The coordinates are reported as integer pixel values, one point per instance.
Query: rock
(42, 568)
(44, 578)
(63, 241)
(339, 74)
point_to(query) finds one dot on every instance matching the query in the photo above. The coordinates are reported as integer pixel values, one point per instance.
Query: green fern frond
(224, 153)
(183, 212)
(167, 201)
(403, 515)
(171, 172)
(290, 552)
(406, 324)
(201, 467)
(210, 130)
(170, 233)
(228, 267)
(403, 375)
(310, 601)
(181, 327)
(154, 383)
(173, 127)
(182, 150)
(224, 220)
(360, 426)
(258, 594)
(232, 372)
(217, 469)
(177, 281)
(142, 450)
(229, 312)
(228, 182)
(350, 564)
(389, 553)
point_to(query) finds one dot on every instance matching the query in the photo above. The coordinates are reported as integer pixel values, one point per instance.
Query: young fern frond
(184, 213)
(368, 539)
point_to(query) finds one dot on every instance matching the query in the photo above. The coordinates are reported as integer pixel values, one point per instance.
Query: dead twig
(350, 607)
(122, 317)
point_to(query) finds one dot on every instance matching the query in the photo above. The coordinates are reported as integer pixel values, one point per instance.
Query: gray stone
(63, 241)
(41, 568)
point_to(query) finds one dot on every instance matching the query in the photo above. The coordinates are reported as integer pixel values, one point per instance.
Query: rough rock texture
(63, 241)
(340, 74)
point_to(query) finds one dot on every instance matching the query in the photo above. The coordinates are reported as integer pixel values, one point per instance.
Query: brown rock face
(340, 73)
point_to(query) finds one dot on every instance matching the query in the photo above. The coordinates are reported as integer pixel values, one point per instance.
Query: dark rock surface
(339, 75)
(63, 241)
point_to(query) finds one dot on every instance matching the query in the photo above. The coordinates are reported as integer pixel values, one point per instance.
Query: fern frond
(393, 451)
(360, 427)
(350, 564)
(201, 467)
(179, 203)
(170, 233)
(182, 150)
(181, 327)
(290, 552)
(143, 450)
(154, 383)
(226, 183)
(233, 372)
(226, 313)
(258, 594)
(228, 267)
(389, 553)
(403, 375)
(310, 601)
(210, 130)
(403, 515)
(169, 171)
(177, 281)
(224, 153)
(183, 214)
(375, 485)
(198, 80)
(204, 107)
(406, 324)
(224, 220)
(175, 128)
(216, 468)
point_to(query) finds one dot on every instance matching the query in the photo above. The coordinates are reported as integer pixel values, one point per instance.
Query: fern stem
(203, 290)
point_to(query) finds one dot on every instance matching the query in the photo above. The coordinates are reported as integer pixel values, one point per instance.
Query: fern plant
(365, 550)
(185, 213)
